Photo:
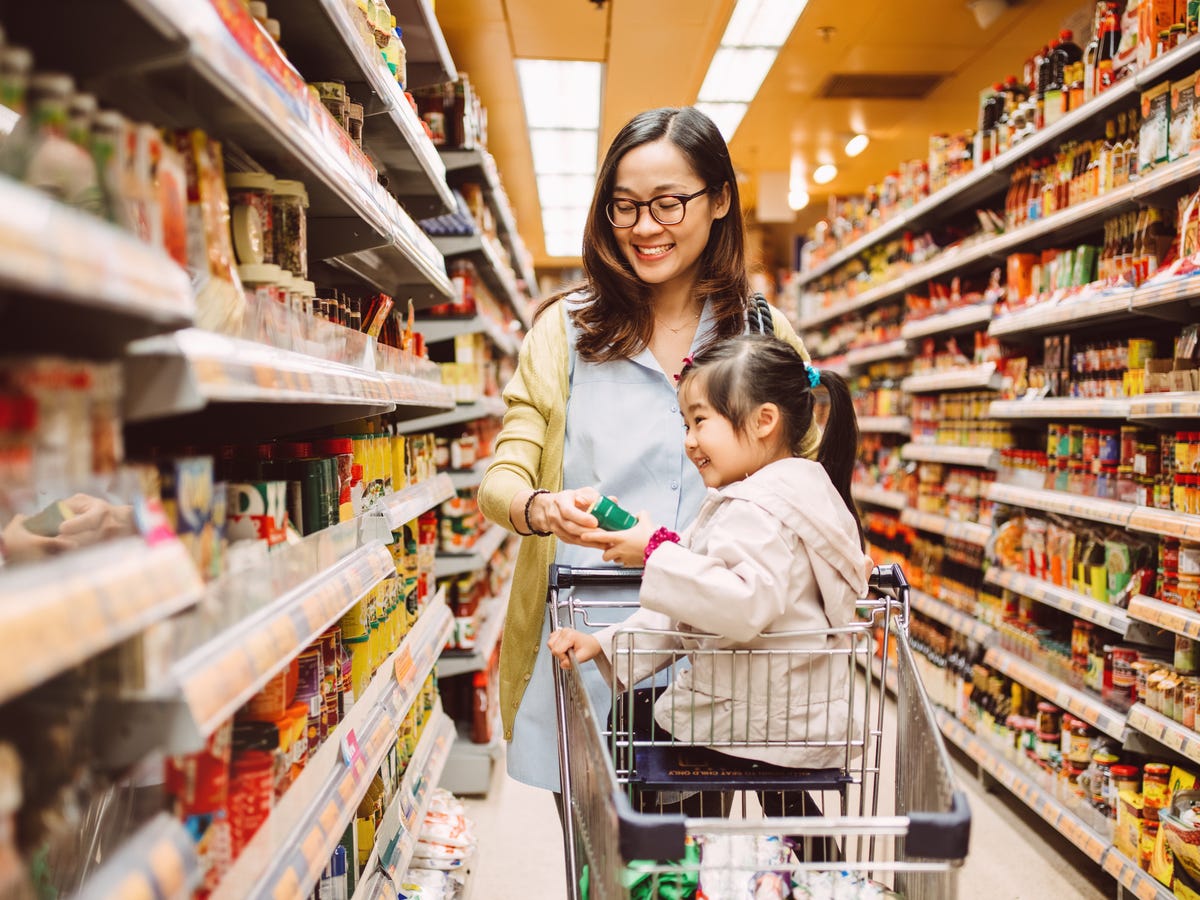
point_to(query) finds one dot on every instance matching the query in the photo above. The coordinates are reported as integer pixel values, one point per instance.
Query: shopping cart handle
(940, 835)
(889, 577)
(563, 577)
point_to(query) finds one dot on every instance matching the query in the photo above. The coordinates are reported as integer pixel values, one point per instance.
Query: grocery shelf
(864, 356)
(1166, 731)
(414, 395)
(1174, 405)
(877, 496)
(486, 544)
(393, 135)
(943, 323)
(472, 477)
(491, 612)
(950, 617)
(113, 287)
(158, 860)
(479, 164)
(447, 329)
(407, 504)
(885, 424)
(495, 273)
(992, 761)
(1173, 299)
(218, 677)
(858, 302)
(1079, 605)
(1165, 522)
(1087, 308)
(1109, 512)
(955, 530)
(981, 377)
(289, 851)
(396, 837)
(1165, 615)
(427, 57)
(464, 412)
(1075, 701)
(982, 457)
(1136, 880)
(202, 76)
(1060, 408)
(90, 600)
(835, 364)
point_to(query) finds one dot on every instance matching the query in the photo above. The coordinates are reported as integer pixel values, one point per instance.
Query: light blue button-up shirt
(625, 438)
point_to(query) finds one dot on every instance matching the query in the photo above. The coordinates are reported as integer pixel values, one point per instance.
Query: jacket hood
(799, 493)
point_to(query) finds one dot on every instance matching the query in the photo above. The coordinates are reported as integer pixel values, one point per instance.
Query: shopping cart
(650, 812)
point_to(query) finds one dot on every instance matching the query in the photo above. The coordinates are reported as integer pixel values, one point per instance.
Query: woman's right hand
(563, 640)
(565, 514)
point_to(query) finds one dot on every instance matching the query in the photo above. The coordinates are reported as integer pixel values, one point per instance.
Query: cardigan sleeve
(532, 396)
(785, 332)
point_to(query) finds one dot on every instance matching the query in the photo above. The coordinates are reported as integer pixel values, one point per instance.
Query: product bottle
(401, 56)
(1109, 44)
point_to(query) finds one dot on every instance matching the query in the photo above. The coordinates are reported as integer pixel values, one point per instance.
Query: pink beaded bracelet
(660, 537)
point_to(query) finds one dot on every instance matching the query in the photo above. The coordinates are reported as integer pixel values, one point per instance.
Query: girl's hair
(618, 322)
(744, 372)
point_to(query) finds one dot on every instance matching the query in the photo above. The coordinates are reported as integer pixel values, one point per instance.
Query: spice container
(1156, 789)
(334, 98)
(289, 205)
(251, 216)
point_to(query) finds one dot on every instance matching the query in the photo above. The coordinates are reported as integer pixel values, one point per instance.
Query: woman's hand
(563, 640)
(626, 547)
(563, 514)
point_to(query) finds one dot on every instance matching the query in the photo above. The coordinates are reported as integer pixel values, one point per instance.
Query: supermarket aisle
(1014, 855)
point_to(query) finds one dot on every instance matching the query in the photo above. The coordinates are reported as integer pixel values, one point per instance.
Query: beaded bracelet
(662, 536)
(528, 506)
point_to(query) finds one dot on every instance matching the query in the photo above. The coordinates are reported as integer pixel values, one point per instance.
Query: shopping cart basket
(630, 788)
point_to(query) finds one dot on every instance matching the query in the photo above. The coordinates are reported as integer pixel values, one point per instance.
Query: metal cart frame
(915, 848)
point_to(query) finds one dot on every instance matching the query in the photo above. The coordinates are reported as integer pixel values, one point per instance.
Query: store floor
(1014, 854)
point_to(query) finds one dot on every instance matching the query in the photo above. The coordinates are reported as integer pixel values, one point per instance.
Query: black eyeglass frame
(684, 199)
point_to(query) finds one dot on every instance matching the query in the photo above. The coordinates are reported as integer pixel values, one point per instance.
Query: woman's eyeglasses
(667, 209)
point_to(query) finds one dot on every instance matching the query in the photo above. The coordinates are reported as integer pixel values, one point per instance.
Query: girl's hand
(626, 547)
(563, 640)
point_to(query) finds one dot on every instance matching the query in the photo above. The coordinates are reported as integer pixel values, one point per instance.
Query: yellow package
(1128, 833)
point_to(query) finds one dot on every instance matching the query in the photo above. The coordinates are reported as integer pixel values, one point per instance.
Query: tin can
(610, 516)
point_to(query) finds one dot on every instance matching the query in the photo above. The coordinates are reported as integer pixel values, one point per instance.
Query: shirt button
(674, 485)
(675, 409)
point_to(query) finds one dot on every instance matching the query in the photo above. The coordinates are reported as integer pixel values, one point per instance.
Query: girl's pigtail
(839, 441)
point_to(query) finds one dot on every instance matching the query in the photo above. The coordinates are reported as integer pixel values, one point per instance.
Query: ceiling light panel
(726, 116)
(564, 152)
(566, 190)
(560, 94)
(736, 74)
(762, 23)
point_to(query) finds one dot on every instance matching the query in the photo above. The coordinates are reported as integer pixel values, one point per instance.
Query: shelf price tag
(350, 749)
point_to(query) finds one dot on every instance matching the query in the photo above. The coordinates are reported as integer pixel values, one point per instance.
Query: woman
(592, 407)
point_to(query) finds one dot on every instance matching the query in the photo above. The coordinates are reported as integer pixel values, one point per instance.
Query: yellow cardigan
(529, 453)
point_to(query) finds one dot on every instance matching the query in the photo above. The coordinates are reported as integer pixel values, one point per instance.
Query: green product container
(611, 517)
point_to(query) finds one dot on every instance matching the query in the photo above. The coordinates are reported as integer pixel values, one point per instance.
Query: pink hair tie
(660, 537)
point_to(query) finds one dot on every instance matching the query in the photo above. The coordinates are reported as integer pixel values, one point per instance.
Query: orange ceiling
(657, 52)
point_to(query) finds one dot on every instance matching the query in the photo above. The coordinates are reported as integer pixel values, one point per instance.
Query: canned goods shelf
(221, 675)
(1166, 731)
(877, 496)
(89, 600)
(396, 838)
(117, 287)
(982, 457)
(472, 477)
(447, 329)
(159, 860)
(970, 532)
(1174, 405)
(885, 425)
(943, 323)
(1075, 701)
(1079, 605)
(864, 356)
(240, 90)
(406, 505)
(394, 135)
(1110, 512)
(464, 412)
(1089, 308)
(459, 662)
(1060, 408)
(476, 558)
(950, 617)
(287, 854)
(1165, 615)
(982, 377)
(479, 164)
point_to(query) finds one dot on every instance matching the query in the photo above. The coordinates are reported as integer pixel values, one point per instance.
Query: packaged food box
(1154, 147)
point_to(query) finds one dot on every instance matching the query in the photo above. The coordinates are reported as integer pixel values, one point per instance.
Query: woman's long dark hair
(744, 372)
(618, 322)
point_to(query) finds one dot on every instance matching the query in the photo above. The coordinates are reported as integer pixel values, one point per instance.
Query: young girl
(776, 547)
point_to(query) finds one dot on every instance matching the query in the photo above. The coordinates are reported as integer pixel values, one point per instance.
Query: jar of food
(1099, 777)
(1156, 789)
(1124, 679)
(1171, 695)
(1147, 841)
(1081, 743)
(1191, 697)
(251, 216)
(1125, 778)
(334, 98)
(290, 226)
(354, 122)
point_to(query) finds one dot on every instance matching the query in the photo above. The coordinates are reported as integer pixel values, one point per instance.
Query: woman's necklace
(680, 328)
